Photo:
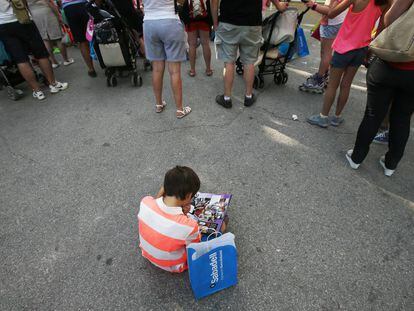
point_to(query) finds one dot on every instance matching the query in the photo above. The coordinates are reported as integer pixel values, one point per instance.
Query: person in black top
(238, 29)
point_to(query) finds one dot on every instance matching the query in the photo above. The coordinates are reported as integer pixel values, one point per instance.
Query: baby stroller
(10, 76)
(115, 44)
(278, 28)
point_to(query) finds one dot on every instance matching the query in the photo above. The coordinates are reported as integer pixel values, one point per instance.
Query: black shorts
(78, 18)
(22, 40)
(354, 58)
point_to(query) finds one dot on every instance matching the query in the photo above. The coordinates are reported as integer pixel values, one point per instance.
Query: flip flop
(191, 73)
(183, 113)
(160, 108)
(209, 73)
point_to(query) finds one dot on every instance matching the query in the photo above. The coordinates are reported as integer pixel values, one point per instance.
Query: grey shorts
(165, 40)
(329, 31)
(245, 39)
(354, 58)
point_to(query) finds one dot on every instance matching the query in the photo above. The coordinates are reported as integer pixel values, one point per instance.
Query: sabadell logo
(214, 269)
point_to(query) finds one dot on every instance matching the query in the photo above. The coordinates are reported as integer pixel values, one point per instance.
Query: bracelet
(314, 6)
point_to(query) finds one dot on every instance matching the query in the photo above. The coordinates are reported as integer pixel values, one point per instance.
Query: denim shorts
(231, 38)
(329, 31)
(354, 58)
(165, 40)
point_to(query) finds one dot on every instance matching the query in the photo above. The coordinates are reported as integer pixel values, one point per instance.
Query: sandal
(183, 113)
(209, 73)
(160, 108)
(192, 73)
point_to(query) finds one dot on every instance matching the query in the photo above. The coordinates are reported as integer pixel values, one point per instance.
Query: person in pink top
(350, 50)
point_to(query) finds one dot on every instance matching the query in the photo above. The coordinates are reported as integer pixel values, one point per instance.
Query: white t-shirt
(159, 9)
(336, 20)
(6, 13)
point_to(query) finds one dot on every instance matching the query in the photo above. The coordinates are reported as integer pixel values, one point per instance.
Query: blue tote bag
(212, 265)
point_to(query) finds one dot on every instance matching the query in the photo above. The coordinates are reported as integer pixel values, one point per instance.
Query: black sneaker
(225, 103)
(249, 101)
(92, 74)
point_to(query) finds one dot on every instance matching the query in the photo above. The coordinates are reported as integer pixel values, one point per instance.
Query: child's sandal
(182, 113)
(160, 108)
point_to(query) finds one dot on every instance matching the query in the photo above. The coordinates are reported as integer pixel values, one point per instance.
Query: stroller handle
(301, 15)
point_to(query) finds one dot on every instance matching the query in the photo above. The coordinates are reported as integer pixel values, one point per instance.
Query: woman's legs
(345, 88)
(205, 43)
(335, 76)
(192, 42)
(326, 56)
(63, 50)
(158, 68)
(86, 55)
(48, 46)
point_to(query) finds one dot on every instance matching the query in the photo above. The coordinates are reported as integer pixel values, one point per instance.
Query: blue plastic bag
(92, 49)
(4, 56)
(212, 265)
(302, 45)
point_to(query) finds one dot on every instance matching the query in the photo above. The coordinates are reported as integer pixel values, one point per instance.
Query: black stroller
(270, 60)
(115, 45)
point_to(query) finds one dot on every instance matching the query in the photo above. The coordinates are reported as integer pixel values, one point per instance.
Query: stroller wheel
(136, 80)
(261, 82)
(111, 81)
(239, 70)
(13, 94)
(285, 78)
(278, 79)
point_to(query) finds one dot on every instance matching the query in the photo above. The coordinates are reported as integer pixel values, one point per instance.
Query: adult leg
(326, 56)
(345, 88)
(335, 76)
(174, 69)
(379, 98)
(26, 71)
(63, 50)
(248, 78)
(400, 118)
(158, 68)
(205, 43)
(46, 68)
(228, 78)
(49, 48)
(86, 55)
(192, 51)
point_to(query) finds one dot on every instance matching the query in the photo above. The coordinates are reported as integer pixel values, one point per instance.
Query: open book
(209, 210)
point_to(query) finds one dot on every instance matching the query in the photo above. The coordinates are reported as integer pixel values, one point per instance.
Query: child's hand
(186, 209)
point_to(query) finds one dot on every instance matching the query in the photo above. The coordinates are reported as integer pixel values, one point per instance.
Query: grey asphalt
(311, 233)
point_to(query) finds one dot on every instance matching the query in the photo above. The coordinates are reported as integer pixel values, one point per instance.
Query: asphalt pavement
(311, 233)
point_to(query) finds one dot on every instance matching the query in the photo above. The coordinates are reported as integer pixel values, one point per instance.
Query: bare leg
(26, 71)
(158, 68)
(228, 78)
(174, 69)
(249, 78)
(205, 43)
(86, 54)
(47, 70)
(335, 75)
(48, 46)
(326, 56)
(192, 51)
(345, 88)
(63, 50)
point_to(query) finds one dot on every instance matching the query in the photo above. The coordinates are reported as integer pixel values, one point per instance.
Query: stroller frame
(270, 66)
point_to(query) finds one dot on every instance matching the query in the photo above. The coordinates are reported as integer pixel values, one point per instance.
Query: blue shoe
(336, 121)
(318, 120)
(381, 138)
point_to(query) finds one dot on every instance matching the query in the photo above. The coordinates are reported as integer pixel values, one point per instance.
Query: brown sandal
(209, 73)
(192, 73)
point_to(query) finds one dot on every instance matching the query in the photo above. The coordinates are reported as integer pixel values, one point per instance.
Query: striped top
(164, 233)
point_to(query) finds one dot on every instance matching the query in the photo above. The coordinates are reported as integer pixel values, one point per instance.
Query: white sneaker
(54, 66)
(387, 172)
(69, 62)
(348, 156)
(58, 86)
(39, 95)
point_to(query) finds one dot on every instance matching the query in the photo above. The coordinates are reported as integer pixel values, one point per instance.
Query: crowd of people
(171, 30)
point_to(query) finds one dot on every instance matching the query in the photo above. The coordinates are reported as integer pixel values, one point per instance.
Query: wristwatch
(314, 6)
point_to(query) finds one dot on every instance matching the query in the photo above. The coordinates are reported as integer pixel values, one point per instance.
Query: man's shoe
(348, 156)
(58, 86)
(336, 121)
(39, 95)
(387, 171)
(381, 138)
(222, 102)
(318, 120)
(249, 101)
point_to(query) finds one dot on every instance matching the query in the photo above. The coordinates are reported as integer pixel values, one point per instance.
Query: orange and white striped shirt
(164, 233)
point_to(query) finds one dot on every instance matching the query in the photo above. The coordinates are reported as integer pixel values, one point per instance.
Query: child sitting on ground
(164, 228)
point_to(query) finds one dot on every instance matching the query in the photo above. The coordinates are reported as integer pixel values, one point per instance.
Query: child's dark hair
(180, 181)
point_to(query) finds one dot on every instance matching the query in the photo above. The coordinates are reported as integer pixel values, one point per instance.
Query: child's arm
(160, 193)
(339, 8)
(280, 6)
(320, 8)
